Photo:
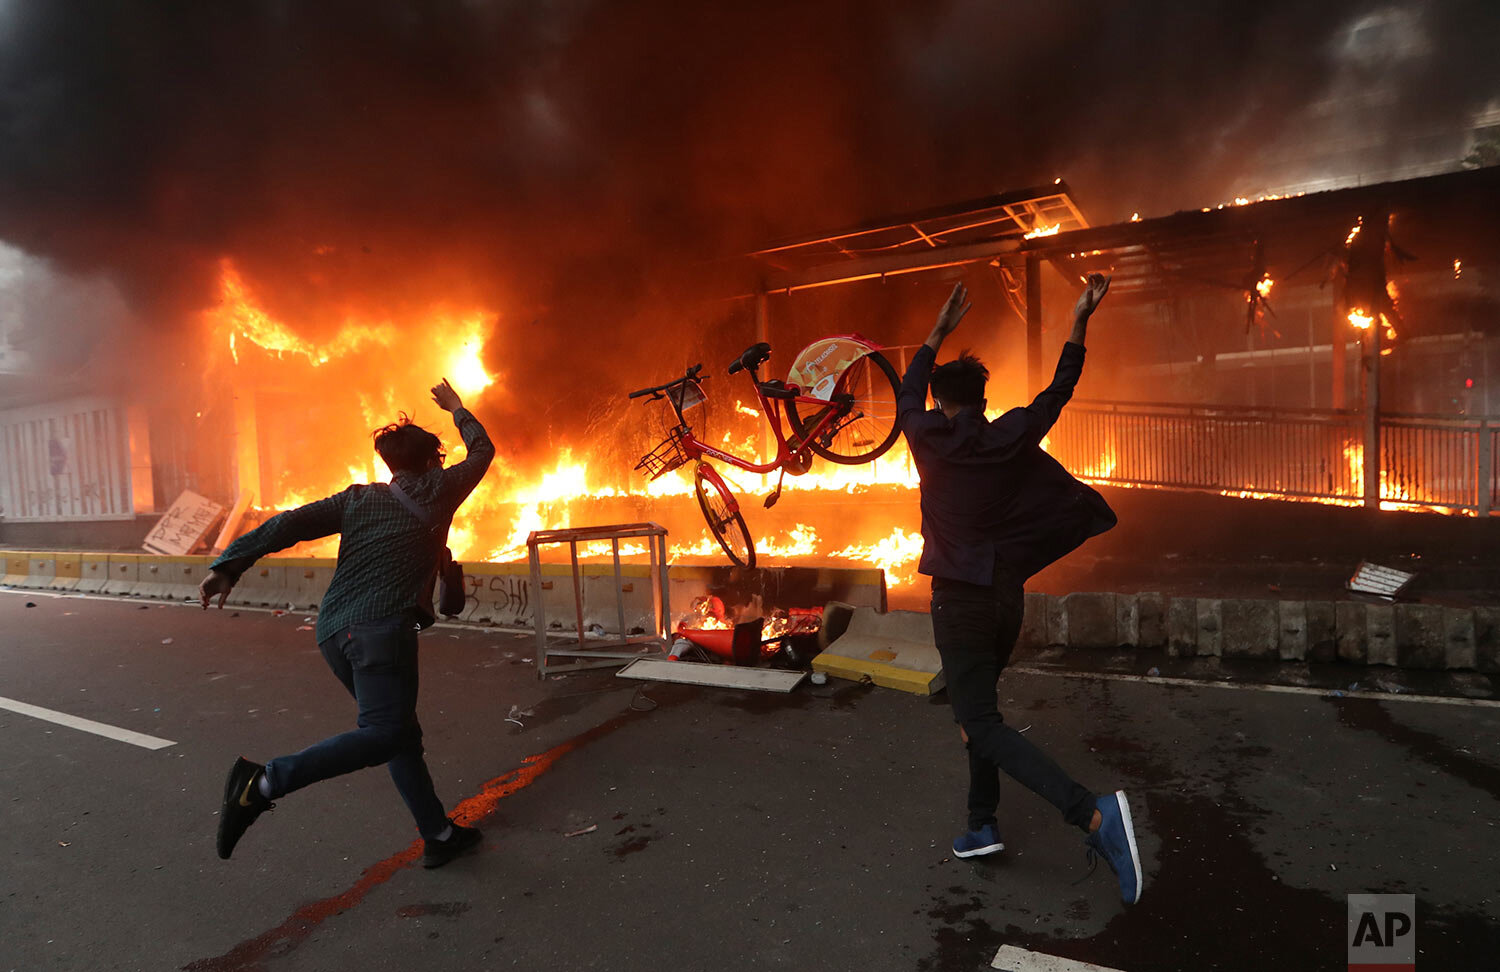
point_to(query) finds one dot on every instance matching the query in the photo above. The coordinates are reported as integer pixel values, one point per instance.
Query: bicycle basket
(665, 457)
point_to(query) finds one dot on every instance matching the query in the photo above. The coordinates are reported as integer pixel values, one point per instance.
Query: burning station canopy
(952, 235)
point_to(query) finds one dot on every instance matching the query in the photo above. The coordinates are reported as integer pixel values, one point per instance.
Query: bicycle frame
(697, 449)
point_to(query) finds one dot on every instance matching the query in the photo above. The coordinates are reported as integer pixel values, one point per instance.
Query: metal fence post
(1372, 463)
(1485, 480)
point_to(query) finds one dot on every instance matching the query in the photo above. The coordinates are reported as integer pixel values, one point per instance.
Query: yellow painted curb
(886, 676)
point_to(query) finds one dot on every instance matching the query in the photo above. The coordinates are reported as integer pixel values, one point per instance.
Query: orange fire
(1360, 319)
(1263, 286)
(510, 503)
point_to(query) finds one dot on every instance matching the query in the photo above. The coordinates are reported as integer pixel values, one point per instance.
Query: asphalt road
(732, 830)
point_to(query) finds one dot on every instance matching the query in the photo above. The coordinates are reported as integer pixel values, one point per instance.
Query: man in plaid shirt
(379, 598)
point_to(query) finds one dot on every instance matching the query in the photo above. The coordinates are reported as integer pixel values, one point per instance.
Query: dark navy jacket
(990, 494)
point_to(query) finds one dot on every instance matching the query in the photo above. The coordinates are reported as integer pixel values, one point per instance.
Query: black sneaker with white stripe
(242, 804)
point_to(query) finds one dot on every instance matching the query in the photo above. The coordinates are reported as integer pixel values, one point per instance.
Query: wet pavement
(730, 830)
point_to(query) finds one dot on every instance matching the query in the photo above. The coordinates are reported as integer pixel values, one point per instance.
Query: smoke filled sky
(534, 155)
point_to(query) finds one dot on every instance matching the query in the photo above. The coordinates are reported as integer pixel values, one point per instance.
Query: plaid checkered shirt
(387, 557)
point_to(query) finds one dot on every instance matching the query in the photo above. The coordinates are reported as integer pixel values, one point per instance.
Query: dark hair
(406, 447)
(961, 381)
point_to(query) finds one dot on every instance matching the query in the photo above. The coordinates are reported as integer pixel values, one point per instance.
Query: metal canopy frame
(607, 655)
(965, 232)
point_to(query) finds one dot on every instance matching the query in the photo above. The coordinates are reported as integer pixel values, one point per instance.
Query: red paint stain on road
(248, 955)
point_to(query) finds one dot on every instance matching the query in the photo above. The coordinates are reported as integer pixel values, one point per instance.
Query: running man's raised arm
(460, 478)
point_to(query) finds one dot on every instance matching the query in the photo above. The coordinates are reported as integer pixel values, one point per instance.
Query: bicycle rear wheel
(725, 521)
(868, 428)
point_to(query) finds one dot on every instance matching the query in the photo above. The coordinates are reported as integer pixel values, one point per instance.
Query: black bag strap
(428, 520)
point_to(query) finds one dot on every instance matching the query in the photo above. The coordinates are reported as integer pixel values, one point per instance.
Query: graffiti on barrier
(499, 599)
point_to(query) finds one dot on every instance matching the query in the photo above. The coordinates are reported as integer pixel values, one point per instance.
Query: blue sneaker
(1115, 842)
(977, 843)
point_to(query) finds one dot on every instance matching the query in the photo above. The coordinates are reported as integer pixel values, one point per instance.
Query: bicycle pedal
(771, 500)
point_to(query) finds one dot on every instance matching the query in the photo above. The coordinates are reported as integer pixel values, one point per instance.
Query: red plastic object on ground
(740, 644)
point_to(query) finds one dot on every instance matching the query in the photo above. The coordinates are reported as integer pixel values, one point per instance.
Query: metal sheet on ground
(722, 676)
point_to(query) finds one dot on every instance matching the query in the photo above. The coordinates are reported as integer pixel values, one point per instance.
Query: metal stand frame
(656, 542)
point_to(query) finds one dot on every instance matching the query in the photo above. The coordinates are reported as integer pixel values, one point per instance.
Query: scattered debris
(307, 620)
(166, 641)
(304, 627)
(64, 843)
(1153, 671)
(820, 678)
(579, 833)
(1386, 582)
(31, 604)
(277, 613)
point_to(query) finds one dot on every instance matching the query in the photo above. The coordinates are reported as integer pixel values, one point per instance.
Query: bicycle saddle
(753, 357)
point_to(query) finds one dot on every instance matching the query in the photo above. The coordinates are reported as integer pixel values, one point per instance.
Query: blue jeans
(975, 629)
(377, 662)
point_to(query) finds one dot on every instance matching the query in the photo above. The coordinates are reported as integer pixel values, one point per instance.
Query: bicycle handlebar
(656, 390)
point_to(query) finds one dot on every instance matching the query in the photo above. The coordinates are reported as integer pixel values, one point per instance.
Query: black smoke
(572, 161)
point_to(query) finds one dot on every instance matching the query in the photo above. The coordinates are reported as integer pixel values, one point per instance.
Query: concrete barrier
(1415, 636)
(184, 574)
(894, 650)
(68, 571)
(17, 568)
(124, 573)
(307, 579)
(503, 594)
(263, 585)
(40, 570)
(93, 572)
(155, 579)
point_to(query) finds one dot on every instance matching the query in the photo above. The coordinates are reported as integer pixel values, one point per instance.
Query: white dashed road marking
(1259, 687)
(86, 725)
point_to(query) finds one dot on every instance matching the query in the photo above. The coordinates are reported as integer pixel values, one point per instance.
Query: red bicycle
(839, 399)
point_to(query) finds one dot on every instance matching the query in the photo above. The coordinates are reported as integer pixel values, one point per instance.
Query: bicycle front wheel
(868, 428)
(725, 521)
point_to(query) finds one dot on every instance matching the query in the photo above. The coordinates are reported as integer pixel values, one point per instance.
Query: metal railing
(1442, 462)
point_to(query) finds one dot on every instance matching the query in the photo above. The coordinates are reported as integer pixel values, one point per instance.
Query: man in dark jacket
(379, 598)
(996, 509)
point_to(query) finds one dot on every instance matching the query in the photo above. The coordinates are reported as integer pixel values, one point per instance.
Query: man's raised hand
(1095, 287)
(447, 399)
(953, 311)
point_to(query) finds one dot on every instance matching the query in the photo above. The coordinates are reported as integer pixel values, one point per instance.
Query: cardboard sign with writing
(184, 525)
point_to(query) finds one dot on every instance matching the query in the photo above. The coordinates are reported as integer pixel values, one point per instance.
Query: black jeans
(976, 629)
(377, 662)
